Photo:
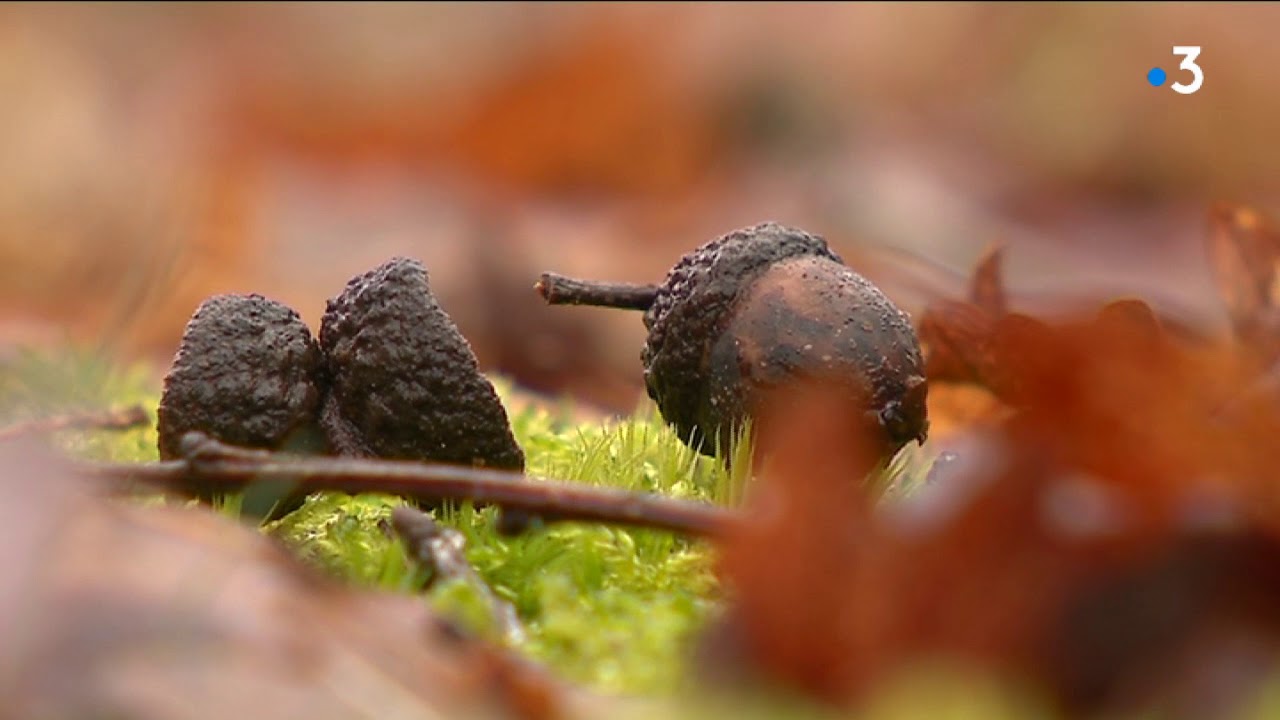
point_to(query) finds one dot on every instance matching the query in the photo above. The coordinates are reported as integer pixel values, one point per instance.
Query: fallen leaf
(120, 609)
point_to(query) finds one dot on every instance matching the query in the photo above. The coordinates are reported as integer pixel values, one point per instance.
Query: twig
(561, 290)
(441, 551)
(124, 419)
(210, 467)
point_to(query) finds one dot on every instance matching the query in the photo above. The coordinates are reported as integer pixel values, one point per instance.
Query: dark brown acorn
(247, 373)
(753, 310)
(390, 378)
(403, 382)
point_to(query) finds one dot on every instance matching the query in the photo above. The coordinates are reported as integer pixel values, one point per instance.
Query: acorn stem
(211, 467)
(560, 290)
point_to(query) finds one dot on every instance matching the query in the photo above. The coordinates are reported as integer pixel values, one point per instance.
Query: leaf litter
(1106, 547)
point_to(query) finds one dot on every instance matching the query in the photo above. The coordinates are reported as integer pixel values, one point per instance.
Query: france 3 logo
(1157, 76)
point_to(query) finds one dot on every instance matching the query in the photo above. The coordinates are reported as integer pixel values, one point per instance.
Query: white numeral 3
(1189, 53)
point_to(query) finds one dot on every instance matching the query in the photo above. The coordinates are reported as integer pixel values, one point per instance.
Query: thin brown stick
(210, 467)
(123, 419)
(441, 550)
(561, 290)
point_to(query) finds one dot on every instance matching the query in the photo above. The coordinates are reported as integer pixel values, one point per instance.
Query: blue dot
(1156, 77)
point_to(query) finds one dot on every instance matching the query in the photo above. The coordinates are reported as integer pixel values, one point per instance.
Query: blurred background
(152, 155)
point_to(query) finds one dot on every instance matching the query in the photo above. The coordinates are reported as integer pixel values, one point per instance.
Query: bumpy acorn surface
(403, 382)
(754, 309)
(245, 373)
(762, 305)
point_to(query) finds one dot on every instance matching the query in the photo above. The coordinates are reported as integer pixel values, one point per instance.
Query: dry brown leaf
(957, 334)
(986, 289)
(129, 611)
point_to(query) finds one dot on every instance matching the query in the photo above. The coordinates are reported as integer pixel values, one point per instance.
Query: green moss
(350, 537)
(607, 607)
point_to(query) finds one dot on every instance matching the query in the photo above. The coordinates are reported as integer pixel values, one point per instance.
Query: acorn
(403, 382)
(391, 377)
(247, 373)
(753, 310)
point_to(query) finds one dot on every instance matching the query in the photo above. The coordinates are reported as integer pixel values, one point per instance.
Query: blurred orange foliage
(593, 114)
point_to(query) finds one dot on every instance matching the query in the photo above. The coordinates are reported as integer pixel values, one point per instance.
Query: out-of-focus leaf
(987, 288)
(128, 611)
(1244, 252)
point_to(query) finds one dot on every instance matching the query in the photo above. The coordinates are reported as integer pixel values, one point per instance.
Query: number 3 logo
(1189, 54)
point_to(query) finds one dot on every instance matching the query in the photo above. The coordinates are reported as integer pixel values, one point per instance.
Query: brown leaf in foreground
(1112, 545)
(127, 611)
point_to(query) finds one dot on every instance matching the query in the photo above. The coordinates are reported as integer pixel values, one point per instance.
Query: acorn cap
(765, 305)
(404, 383)
(245, 373)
